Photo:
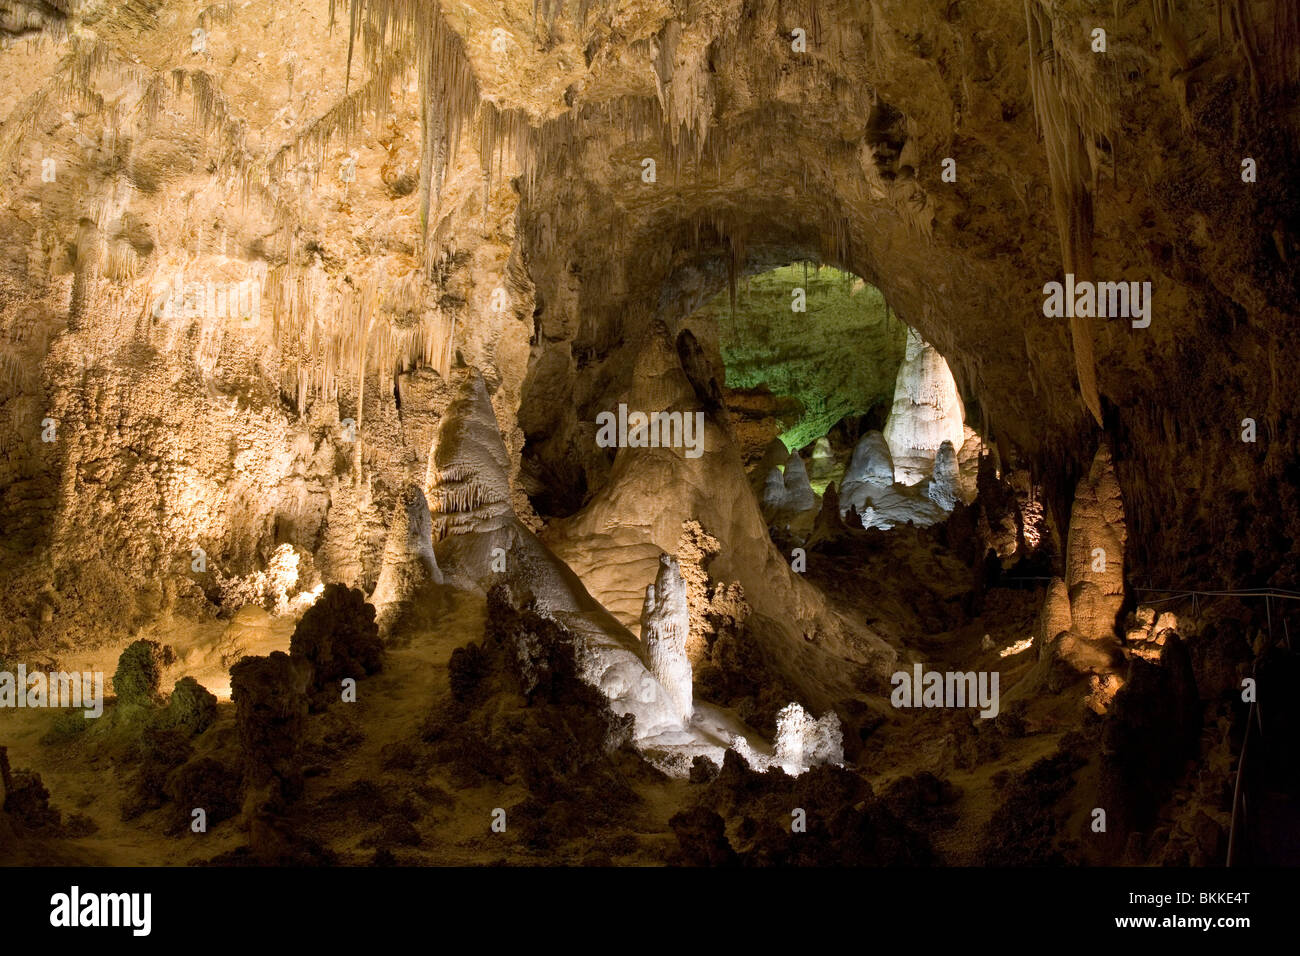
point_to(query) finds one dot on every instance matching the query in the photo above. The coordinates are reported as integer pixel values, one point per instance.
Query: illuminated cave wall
(836, 358)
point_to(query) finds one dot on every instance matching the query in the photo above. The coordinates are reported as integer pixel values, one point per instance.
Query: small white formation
(944, 489)
(927, 411)
(665, 626)
(279, 589)
(408, 564)
(871, 469)
(801, 742)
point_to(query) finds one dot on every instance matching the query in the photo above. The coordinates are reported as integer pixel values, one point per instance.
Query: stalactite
(344, 117)
(1070, 115)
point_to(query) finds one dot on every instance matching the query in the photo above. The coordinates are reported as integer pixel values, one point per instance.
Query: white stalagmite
(802, 742)
(927, 411)
(871, 468)
(665, 626)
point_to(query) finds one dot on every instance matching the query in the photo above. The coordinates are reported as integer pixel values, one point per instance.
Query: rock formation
(799, 496)
(665, 626)
(871, 463)
(469, 475)
(944, 488)
(270, 272)
(1094, 559)
(823, 459)
(409, 567)
(927, 411)
(802, 742)
(1054, 617)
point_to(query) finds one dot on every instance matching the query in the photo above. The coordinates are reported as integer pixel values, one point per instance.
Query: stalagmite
(823, 459)
(802, 742)
(944, 489)
(470, 466)
(409, 565)
(1094, 558)
(927, 411)
(1054, 617)
(799, 495)
(870, 469)
(773, 490)
(665, 626)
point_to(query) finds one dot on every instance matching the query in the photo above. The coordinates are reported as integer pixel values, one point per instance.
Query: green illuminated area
(838, 358)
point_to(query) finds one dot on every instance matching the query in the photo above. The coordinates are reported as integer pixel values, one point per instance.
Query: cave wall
(296, 149)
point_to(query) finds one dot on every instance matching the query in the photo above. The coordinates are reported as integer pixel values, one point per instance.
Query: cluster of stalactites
(326, 331)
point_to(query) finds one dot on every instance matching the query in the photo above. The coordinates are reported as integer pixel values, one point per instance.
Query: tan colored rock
(1094, 560)
(409, 567)
(1054, 617)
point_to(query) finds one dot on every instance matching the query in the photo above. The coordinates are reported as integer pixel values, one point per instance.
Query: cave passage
(625, 416)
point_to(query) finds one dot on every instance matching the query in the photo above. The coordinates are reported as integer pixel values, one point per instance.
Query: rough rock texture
(1094, 559)
(927, 412)
(469, 475)
(409, 567)
(338, 639)
(665, 627)
(765, 156)
(238, 292)
(717, 608)
(944, 488)
(614, 542)
(270, 695)
(1054, 617)
(802, 742)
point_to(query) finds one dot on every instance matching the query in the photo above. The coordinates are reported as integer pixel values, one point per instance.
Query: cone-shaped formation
(927, 412)
(871, 467)
(823, 458)
(799, 496)
(665, 626)
(409, 565)
(871, 461)
(1094, 563)
(773, 490)
(470, 470)
(1054, 618)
